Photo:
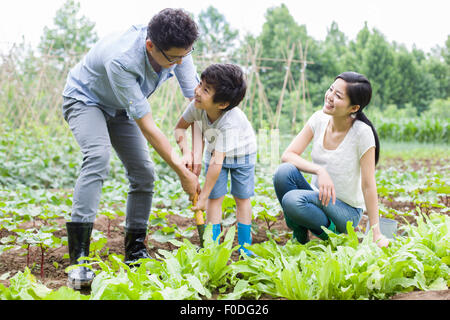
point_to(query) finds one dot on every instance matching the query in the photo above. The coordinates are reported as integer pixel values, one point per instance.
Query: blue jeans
(302, 208)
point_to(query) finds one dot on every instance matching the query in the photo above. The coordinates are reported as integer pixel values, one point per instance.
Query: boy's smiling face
(204, 98)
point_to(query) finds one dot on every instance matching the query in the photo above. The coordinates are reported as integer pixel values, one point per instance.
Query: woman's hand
(326, 187)
(380, 240)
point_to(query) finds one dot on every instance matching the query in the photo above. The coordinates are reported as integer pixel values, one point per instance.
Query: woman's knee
(282, 173)
(293, 201)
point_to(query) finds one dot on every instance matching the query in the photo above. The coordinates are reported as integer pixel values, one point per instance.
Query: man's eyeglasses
(175, 59)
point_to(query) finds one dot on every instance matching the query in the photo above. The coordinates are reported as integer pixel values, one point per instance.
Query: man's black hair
(228, 82)
(172, 28)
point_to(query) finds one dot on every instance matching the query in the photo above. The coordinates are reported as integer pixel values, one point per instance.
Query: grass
(415, 150)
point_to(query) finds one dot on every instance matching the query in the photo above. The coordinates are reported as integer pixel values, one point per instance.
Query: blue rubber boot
(244, 237)
(216, 230)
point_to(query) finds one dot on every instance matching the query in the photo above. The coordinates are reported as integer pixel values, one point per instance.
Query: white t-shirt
(231, 133)
(342, 164)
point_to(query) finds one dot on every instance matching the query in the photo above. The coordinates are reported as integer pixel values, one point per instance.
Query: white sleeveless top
(342, 164)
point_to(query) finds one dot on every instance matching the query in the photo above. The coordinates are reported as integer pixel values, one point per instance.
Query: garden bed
(55, 277)
(403, 193)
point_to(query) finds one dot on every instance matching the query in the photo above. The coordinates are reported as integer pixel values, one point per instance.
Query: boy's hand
(201, 203)
(197, 169)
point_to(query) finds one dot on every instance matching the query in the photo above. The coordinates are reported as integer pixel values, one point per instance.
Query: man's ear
(149, 45)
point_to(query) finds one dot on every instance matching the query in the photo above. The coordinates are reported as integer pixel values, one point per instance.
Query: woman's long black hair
(359, 91)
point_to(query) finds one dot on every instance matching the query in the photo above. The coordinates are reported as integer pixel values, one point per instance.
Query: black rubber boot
(79, 236)
(135, 248)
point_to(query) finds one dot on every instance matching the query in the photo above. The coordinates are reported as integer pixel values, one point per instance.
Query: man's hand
(190, 184)
(161, 144)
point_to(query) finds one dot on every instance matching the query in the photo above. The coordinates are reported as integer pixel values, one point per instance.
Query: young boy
(230, 146)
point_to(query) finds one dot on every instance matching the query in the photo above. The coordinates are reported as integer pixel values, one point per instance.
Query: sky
(424, 24)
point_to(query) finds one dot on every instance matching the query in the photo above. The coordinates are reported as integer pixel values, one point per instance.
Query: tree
(418, 54)
(216, 35)
(353, 57)
(446, 51)
(438, 64)
(403, 80)
(377, 66)
(425, 91)
(329, 60)
(336, 39)
(280, 32)
(72, 35)
(440, 70)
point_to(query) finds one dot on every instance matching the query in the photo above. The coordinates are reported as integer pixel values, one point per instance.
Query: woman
(344, 154)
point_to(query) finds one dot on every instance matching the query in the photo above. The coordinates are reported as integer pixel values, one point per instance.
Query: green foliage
(279, 33)
(347, 266)
(343, 267)
(71, 36)
(438, 109)
(400, 77)
(378, 60)
(217, 38)
(185, 273)
(40, 161)
(23, 286)
(420, 130)
(415, 186)
(403, 124)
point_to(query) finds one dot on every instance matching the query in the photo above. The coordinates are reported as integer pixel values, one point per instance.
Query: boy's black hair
(172, 28)
(228, 82)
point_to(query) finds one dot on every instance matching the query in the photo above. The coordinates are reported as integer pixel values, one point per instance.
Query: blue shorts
(242, 172)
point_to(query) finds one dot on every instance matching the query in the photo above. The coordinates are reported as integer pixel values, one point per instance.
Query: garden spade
(198, 213)
(199, 221)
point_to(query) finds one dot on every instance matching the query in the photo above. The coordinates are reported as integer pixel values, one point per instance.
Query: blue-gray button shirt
(116, 74)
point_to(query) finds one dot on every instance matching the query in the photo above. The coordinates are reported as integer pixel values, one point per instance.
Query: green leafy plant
(348, 269)
(111, 214)
(42, 238)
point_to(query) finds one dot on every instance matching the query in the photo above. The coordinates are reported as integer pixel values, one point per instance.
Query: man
(105, 104)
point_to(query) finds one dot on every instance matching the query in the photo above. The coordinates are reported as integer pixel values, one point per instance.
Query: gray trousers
(96, 131)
